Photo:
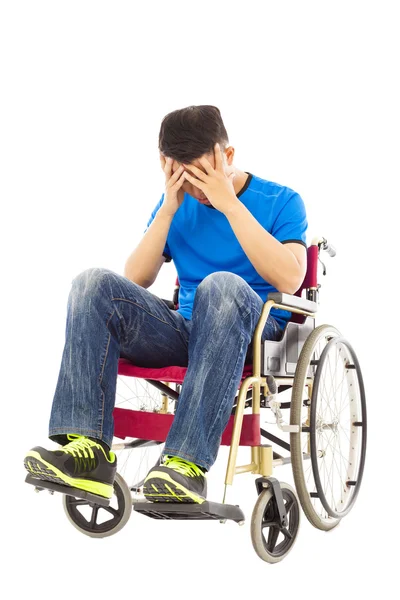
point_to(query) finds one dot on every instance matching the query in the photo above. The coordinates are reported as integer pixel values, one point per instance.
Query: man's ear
(229, 153)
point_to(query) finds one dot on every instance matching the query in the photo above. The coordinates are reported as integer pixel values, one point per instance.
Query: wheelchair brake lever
(275, 406)
(323, 266)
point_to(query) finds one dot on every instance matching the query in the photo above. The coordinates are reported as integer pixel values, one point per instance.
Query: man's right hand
(174, 194)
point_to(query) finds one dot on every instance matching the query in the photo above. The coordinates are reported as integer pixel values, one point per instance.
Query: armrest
(293, 301)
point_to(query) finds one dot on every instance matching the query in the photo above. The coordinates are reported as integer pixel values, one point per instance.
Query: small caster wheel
(266, 529)
(101, 521)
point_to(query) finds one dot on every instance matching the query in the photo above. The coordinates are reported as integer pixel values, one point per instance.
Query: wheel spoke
(339, 452)
(289, 505)
(286, 533)
(111, 510)
(332, 442)
(94, 515)
(139, 395)
(345, 433)
(336, 451)
(272, 536)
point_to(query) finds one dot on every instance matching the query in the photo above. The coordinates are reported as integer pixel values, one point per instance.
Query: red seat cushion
(155, 426)
(171, 374)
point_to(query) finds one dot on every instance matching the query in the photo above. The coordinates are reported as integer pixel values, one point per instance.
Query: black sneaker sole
(163, 489)
(41, 484)
(38, 467)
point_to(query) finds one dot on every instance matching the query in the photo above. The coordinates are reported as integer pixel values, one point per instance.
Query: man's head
(190, 133)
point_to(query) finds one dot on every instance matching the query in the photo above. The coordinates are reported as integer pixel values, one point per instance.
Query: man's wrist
(233, 208)
(164, 214)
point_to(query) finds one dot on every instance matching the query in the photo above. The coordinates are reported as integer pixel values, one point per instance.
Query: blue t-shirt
(201, 240)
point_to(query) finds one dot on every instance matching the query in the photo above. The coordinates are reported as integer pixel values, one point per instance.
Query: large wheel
(135, 462)
(271, 541)
(328, 453)
(100, 521)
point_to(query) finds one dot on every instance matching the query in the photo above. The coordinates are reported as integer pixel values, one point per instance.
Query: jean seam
(58, 428)
(222, 403)
(149, 313)
(101, 378)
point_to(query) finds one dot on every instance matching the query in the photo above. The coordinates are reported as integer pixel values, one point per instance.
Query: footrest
(41, 484)
(206, 510)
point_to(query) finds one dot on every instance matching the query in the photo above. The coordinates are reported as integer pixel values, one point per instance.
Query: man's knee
(91, 280)
(224, 289)
(222, 279)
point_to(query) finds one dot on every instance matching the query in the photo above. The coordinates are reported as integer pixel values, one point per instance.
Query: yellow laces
(79, 444)
(183, 466)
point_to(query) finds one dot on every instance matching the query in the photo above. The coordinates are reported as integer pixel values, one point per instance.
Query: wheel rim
(94, 518)
(338, 428)
(278, 539)
(304, 465)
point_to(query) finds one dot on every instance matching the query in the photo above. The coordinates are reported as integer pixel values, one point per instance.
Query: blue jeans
(109, 317)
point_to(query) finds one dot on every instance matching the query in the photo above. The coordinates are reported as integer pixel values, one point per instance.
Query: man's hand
(174, 195)
(216, 184)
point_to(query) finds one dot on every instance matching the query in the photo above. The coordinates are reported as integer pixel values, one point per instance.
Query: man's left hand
(216, 184)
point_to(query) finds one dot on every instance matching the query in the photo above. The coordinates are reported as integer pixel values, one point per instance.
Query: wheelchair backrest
(310, 280)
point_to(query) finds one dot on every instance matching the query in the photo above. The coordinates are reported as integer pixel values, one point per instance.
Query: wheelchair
(327, 429)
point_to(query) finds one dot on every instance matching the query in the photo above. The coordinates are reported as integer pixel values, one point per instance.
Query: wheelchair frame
(280, 357)
(293, 338)
(286, 363)
(262, 461)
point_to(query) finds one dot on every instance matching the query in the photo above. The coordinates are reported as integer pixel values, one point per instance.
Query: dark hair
(188, 133)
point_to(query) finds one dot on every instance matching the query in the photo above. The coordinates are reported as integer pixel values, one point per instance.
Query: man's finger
(168, 166)
(196, 182)
(175, 176)
(206, 164)
(200, 174)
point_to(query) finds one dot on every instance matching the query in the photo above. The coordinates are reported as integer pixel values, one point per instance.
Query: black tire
(84, 515)
(307, 446)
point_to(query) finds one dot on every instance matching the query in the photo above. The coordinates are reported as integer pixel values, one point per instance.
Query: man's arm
(282, 265)
(144, 263)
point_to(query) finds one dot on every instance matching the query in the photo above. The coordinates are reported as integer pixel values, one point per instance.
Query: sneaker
(82, 464)
(176, 480)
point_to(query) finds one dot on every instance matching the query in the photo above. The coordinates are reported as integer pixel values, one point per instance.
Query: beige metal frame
(262, 462)
(261, 456)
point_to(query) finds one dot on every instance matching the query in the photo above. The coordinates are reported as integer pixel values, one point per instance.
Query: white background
(307, 92)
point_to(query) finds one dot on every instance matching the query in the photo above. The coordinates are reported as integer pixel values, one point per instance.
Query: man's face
(189, 187)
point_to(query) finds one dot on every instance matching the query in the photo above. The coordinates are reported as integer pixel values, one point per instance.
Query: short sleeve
(167, 252)
(291, 222)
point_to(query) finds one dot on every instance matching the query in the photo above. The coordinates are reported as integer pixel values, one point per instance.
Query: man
(234, 237)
